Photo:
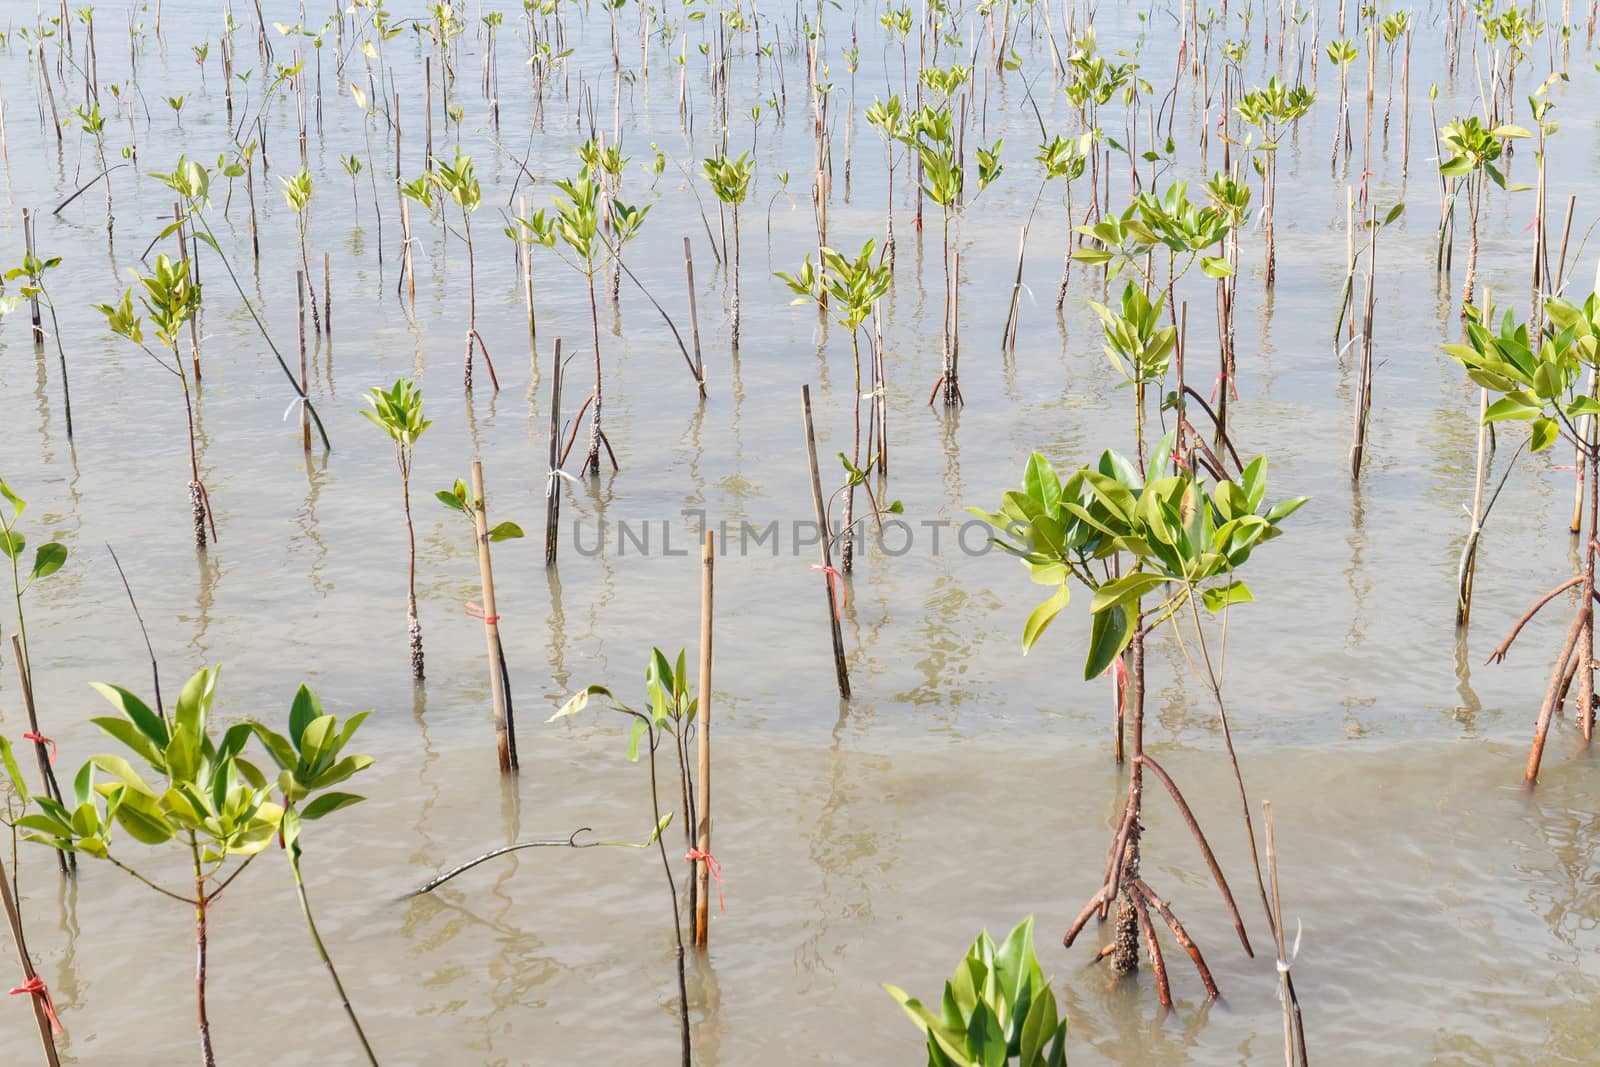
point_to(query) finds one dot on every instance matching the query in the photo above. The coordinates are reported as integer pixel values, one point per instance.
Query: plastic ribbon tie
(41, 739)
(477, 613)
(1121, 673)
(835, 577)
(1223, 377)
(550, 480)
(35, 987)
(713, 866)
(298, 401)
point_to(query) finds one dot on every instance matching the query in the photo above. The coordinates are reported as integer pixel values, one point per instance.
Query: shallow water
(1446, 915)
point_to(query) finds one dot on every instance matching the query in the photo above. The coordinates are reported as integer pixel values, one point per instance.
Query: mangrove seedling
(998, 1009)
(206, 801)
(1474, 150)
(33, 268)
(730, 181)
(310, 763)
(1132, 538)
(1272, 109)
(170, 297)
(459, 182)
(670, 712)
(576, 225)
(850, 289)
(1549, 381)
(398, 412)
(297, 193)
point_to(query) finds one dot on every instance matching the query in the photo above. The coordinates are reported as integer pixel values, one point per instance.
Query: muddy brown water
(1444, 914)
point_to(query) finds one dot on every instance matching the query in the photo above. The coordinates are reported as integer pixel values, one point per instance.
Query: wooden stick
(27, 241)
(824, 541)
(327, 299)
(694, 317)
(1283, 962)
(40, 1015)
(552, 481)
(47, 774)
(300, 310)
(505, 740)
(702, 913)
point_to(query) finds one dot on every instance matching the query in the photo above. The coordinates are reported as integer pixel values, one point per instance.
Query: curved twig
(86, 187)
(570, 841)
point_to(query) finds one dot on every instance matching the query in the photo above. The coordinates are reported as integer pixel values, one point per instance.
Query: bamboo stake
(1283, 961)
(41, 753)
(300, 311)
(40, 999)
(829, 574)
(505, 739)
(327, 299)
(694, 317)
(702, 913)
(33, 301)
(552, 481)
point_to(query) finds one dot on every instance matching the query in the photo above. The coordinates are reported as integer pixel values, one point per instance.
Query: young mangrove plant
(48, 558)
(297, 194)
(850, 289)
(932, 136)
(730, 181)
(576, 225)
(670, 713)
(310, 762)
(170, 297)
(398, 412)
(1549, 381)
(1134, 539)
(1474, 150)
(206, 801)
(997, 1011)
(459, 182)
(1272, 109)
(33, 268)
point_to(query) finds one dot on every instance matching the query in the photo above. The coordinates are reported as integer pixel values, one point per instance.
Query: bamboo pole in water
(694, 316)
(300, 311)
(42, 746)
(505, 740)
(33, 301)
(43, 1013)
(327, 297)
(702, 912)
(552, 480)
(829, 574)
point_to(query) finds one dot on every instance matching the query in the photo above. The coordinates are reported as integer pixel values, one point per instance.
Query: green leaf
(578, 701)
(12, 543)
(1041, 616)
(13, 772)
(1128, 587)
(305, 708)
(1109, 633)
(505, 531)
(328, 803)
(1233, 593)
(48, 558)
(1545, 432)
(450, 500)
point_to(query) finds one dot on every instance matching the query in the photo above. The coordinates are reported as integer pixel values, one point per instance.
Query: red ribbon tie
(477, 613)
(713, 866)
(836, 580)
(41, 739)
(35, 987)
